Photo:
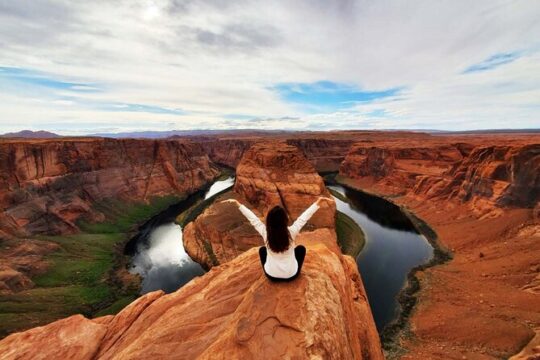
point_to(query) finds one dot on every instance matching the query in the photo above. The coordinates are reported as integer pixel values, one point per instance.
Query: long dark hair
(277, 233)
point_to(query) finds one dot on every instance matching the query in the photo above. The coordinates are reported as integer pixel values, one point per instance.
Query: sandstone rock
(48, 185)
(532, 350)
(12, 281)
(21, 259)
(397, 167)
(269, 174)
(324, 154)
(227, 152)
(74, 337)
(232, 312)
(275, 173)
(503, 175)
(485, 176)
(218, 235)
(473, 203)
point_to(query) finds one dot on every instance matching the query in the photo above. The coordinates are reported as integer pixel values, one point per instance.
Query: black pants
(299, 254)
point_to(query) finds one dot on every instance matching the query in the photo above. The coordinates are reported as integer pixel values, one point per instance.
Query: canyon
(50, 185)
(268, 174)
(234, 311)
(53, 187)
(482, 200)
(479, 193)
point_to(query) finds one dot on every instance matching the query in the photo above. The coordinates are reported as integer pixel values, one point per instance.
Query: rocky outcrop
(278, 174)
(325, 155)
(270, 173)
(232, 312)
(20, 259)
(398, 164)
(48, 185)
(219, 234)
(504, 175)
(483, 206)
(486, 176)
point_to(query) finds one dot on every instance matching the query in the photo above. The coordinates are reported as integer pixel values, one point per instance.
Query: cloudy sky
(79, 67)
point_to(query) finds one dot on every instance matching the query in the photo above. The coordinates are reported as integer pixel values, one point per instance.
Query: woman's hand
(323, 198)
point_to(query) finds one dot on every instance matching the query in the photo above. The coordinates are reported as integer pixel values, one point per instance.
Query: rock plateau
(482, 201)
(269, 174)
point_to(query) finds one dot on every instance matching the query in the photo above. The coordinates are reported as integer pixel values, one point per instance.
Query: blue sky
(328, 96)
(493, 61)
(77, 68)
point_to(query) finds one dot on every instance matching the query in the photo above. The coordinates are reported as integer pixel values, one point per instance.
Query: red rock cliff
(272, 174)
(482, 201)
(324, 154)
(269, 174)
(232, 312)
(505, 175)
(47, 185)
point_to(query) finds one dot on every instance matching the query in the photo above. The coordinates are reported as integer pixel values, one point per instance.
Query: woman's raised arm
(252, 218)
(299, 223)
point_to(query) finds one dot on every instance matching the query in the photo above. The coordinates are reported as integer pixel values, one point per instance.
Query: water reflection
(392, 249)
(158, 250)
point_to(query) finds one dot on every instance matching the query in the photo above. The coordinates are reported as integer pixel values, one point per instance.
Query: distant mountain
(178, 133)
(29, 134)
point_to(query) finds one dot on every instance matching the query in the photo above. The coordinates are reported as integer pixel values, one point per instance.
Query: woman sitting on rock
(281, 259)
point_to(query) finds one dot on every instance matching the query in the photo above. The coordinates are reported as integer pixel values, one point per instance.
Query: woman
(281, 259)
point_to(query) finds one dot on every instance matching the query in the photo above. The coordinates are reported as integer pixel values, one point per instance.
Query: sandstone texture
(482, 201)
(326, 155)
(47, 186)
(504, 175)
(232, 312)
(272, 174)
(269, 174)
(324, 151)
(479, 192)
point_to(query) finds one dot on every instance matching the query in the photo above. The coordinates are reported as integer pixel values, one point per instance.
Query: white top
(280, 265)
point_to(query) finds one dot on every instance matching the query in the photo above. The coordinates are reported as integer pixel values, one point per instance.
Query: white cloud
(212, 58)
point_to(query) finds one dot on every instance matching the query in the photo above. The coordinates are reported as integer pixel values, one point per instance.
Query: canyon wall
(324, 154)
(232, 312)
(485, 175)
(269, 174)
(226, 152)
(480, 195)
(48, 185)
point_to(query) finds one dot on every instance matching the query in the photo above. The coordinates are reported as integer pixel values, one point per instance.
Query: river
(392, 248)
(160, 257)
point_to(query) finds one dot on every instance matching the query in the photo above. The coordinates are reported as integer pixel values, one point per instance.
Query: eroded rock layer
(505, 175)
(48, 186)
(275, 173)
(52, 184)
(269, 174)
(482, 201)
(324, 152)
(232, 312)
